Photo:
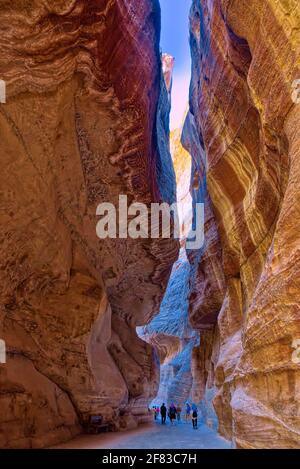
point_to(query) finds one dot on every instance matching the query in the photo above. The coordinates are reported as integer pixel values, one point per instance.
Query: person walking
(154, 412)
(178, 413)
(195, 417)
(187, 412)
(163, 413)
(172, 413)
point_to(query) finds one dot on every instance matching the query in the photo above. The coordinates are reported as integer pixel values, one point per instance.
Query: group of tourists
(174, 413)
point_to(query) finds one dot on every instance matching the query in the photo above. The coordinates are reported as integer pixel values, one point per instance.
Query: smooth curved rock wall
(245, 287)
(79, 127)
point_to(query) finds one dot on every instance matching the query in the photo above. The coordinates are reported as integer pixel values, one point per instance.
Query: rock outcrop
(182, 167)
(173, 338)
(245, 283)
(164, 167)
(79, 127)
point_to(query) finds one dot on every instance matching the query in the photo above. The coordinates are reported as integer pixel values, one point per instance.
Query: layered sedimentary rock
(170, 332)
(173, 338)
(206, 265)
(164, 168)
(243, 112)
(204, 389)
(79, 127)
(182, 166)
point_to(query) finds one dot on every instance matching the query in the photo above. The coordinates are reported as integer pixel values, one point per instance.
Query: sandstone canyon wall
(243, 133)
(169, 331)
(182, 166)
(173, 338)
(80, 126)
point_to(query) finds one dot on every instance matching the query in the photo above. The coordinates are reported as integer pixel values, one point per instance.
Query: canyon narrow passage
(170, 332)
(112, 111)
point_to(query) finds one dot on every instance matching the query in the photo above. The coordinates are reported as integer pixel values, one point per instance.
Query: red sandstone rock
(78, 129)
(245, 58)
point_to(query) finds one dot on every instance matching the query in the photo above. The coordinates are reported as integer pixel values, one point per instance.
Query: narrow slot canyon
(195, 102)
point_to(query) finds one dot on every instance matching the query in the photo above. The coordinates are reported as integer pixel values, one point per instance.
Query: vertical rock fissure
(170, 331)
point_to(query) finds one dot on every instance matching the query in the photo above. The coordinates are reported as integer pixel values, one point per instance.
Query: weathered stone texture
(246, 56)
(173, 338)
(78, 128)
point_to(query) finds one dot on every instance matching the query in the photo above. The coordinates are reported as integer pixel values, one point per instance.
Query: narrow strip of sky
(175, 41)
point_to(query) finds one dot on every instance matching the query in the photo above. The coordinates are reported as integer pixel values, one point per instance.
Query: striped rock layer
(85, 95)
(243, 130)
(173, 338)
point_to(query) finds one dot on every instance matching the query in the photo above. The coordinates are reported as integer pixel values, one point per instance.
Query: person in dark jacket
(195, 417)
(163, 413)
(172, 413)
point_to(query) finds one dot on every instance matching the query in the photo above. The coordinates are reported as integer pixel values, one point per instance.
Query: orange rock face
(78, 128)
(246, 56)
(182, 166)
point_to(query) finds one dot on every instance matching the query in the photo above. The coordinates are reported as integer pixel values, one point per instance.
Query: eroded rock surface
(84, 84)
(246, 56)
(182, 166)
(173, 338)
